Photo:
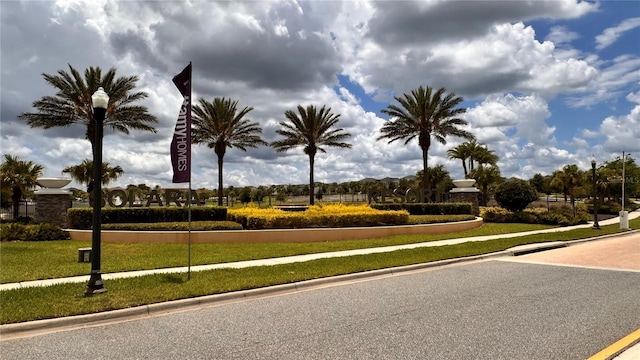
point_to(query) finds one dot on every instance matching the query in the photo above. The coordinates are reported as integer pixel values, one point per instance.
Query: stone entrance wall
(470, 197)
(52, 208)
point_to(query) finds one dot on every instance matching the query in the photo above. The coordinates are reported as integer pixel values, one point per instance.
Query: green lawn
(22, 261)
(64, 300)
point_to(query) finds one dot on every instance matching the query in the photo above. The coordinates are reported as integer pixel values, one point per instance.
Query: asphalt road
(483, 310)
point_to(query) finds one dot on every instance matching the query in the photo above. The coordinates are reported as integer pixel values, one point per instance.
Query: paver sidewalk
(301, 258)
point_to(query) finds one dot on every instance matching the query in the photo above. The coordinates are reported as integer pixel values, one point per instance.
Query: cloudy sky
(545, 83)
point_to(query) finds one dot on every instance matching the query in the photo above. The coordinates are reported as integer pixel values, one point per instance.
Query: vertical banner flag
(181, 143)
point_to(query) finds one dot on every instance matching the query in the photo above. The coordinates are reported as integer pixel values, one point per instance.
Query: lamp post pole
(595, 194)
(100, 101)
(624, 215)
(623, 175)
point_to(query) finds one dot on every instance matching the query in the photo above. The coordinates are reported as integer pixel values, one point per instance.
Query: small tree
(515, 195)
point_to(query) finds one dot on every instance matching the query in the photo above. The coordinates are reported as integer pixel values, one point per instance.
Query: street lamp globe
(100, 99)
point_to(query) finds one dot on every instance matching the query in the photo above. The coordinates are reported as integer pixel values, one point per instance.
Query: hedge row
(82, 218)
(562, 217)
(175, 226)
(36, 232)
(438, 219)
(429, 208)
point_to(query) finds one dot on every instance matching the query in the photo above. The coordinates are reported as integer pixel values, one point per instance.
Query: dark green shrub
(35, 232)
(560, 216)
(12, 231)
(45, 232)
(436, 219)
(175, 226)
(515, 194)
(429, 208)
(610, 208)
(82, 218)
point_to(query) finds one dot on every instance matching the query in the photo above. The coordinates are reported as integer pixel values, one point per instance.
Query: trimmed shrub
(323, 215)
(610, 208)
(562, 216)
(429, 208)
(176, 226)
(515, 194)
(437, 219)
(82, 218)
(12, 231)
(35, 232)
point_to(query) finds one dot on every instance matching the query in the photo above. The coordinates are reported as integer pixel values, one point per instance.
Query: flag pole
(190, 197)
(181, 146)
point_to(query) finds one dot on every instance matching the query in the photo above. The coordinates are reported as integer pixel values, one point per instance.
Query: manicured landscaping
(64, 300)
(22, 261)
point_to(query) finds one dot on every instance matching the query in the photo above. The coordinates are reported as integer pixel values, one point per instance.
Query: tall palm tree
(19, 175)
(72, 103)
(220, 125)
(425, 114)
(313, 129)
(83, 173)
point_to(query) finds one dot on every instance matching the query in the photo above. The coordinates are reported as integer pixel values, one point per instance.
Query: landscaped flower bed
(324, 215)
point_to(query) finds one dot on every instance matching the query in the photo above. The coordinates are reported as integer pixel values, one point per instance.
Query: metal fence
(27, 208)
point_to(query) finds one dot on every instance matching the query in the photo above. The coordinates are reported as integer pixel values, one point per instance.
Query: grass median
(63, 300)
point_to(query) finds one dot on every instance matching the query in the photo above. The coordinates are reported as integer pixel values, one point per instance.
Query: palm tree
(439, 177)
(83, 173)
(482, 155)
(425, 114)
(220, 125)
(72, 103)
(19, 175)
(474, 152)
(567, 180)
(461, 152)
(312, 129)
(485, 177)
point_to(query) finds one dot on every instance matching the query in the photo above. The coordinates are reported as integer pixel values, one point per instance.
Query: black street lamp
(100, 101)
(596, 226)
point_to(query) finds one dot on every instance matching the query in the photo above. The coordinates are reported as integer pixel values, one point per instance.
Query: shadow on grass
(174, 278)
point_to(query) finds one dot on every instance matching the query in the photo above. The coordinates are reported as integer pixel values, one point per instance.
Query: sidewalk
(302, 258)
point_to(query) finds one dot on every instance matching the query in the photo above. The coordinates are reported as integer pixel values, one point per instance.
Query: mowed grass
(23, 261)
(63, 300)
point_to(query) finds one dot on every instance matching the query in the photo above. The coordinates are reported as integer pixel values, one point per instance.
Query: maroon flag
(181, 143)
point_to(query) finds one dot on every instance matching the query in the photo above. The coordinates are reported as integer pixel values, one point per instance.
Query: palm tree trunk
(220, 189)
(16, 197)
(311, 183)
(426, 187)
(464, 166)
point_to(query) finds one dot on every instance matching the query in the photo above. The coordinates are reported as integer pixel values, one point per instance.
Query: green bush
(429, 208)
(515, 194)
(82, 218)
(24, 220)
(12, 231)
(175, 226)
(562, 216)
(609, 208)
(35, 232)
(436, 219)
